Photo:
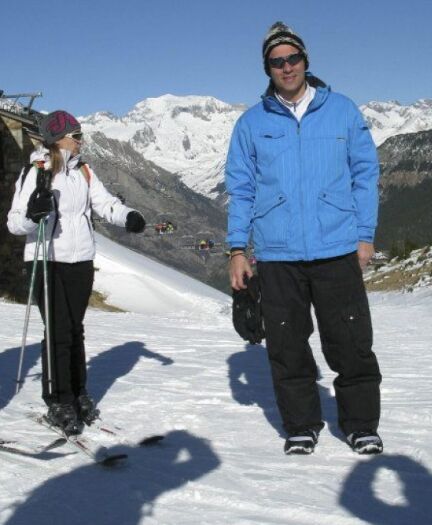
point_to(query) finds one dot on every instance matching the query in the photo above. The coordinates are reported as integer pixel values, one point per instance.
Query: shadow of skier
(359, 495)
(93, 495)
(250, 382)
(104, 369)
(9, 361)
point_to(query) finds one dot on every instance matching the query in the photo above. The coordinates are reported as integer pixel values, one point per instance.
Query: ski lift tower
(19, 107)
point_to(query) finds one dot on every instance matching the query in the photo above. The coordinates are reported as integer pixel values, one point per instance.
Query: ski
(97, 453)
(15, 447)
(116, 432)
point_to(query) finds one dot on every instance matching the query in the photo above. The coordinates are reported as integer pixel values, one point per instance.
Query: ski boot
(86, 409)
(63, 415)
(301, 442)
(365, 442)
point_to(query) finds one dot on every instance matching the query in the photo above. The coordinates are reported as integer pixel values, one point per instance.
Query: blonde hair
(56, 158)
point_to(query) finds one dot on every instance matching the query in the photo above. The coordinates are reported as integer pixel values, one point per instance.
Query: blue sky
(91, 55)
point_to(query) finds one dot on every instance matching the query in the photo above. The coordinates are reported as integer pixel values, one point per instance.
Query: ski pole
(46, 307)
(19, 381)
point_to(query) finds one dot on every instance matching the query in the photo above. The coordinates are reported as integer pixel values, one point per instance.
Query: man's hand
(365, 252)
(239, 267)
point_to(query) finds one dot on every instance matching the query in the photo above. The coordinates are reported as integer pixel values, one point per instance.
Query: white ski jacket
(69, 231)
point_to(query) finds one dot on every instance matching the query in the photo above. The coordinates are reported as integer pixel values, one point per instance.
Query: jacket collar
(69, 161)
(42, 154)
(322, 91)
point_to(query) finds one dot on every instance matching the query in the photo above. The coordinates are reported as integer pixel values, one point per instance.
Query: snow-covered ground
(174, 365)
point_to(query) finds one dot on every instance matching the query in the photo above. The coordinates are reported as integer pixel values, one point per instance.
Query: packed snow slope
(136, 283)
(173, 364)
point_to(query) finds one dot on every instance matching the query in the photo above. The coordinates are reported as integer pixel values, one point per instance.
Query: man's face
(289, 80)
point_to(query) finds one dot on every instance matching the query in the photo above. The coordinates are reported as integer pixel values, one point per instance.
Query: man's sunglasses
(292, 60)
(75, 136)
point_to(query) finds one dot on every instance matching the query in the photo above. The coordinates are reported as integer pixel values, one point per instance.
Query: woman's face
(71, 142)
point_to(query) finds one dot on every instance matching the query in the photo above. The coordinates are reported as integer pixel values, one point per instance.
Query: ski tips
(113, 461)
(55, 444)
(150, 441)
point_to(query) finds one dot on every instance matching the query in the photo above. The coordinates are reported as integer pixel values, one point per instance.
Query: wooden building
(18, 137)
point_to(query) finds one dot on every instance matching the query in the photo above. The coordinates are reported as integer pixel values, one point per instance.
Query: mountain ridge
(189, 135)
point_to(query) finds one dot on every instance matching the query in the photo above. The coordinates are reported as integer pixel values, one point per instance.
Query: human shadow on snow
(250, 382)
(9, 361)
(95, 495)
(359, 497)
(104, 369)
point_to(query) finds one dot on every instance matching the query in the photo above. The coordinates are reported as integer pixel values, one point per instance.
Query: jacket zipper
(302, 207)
(290, 115)
(71, 181)
(308, 110)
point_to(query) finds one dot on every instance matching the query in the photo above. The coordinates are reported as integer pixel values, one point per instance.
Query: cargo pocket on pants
(358, 320)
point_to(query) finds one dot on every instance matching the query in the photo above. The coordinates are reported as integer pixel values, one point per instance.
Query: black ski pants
(70, 286)
(335, 289)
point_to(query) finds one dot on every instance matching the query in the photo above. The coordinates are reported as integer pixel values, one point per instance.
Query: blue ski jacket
(304, 190)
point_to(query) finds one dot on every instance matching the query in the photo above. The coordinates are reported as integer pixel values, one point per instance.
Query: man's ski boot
(63, 415)
(301, 442)
(86, 409)
(365, 442)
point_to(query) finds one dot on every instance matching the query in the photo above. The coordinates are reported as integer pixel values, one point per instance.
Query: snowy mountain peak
(185, 135)
(99, 118)
(392, 118)
(189, 135)
(172, 105)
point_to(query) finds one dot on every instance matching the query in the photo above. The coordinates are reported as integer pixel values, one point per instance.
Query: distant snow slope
(134, 282)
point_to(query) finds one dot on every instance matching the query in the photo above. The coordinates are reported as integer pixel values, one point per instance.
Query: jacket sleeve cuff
(366, 234)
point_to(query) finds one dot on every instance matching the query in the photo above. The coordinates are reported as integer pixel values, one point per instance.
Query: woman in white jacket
(65, 190)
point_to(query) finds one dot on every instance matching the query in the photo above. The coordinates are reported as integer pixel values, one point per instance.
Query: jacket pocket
(336, 214)
(270, 144)
(272, 134)
(270, 222)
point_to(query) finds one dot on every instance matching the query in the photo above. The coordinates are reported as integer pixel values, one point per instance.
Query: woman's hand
(135, 222)
(40, 204)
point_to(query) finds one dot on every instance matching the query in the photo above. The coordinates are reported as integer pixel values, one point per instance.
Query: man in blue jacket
(302, 175)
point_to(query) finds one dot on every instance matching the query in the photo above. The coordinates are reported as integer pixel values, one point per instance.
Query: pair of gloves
(247, 313)
(41, 204)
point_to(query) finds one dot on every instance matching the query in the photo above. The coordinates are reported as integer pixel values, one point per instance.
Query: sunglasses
(292, 60)
(75, 136)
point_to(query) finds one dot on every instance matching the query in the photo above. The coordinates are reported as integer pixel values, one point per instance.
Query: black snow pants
(70, 286)
(335, 289)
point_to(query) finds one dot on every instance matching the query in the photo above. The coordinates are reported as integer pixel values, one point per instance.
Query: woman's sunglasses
(75, 136)
(292, 60)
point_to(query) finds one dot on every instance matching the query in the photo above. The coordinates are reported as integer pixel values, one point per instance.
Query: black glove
(247, 317)
(135, 222)
(40, 204)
